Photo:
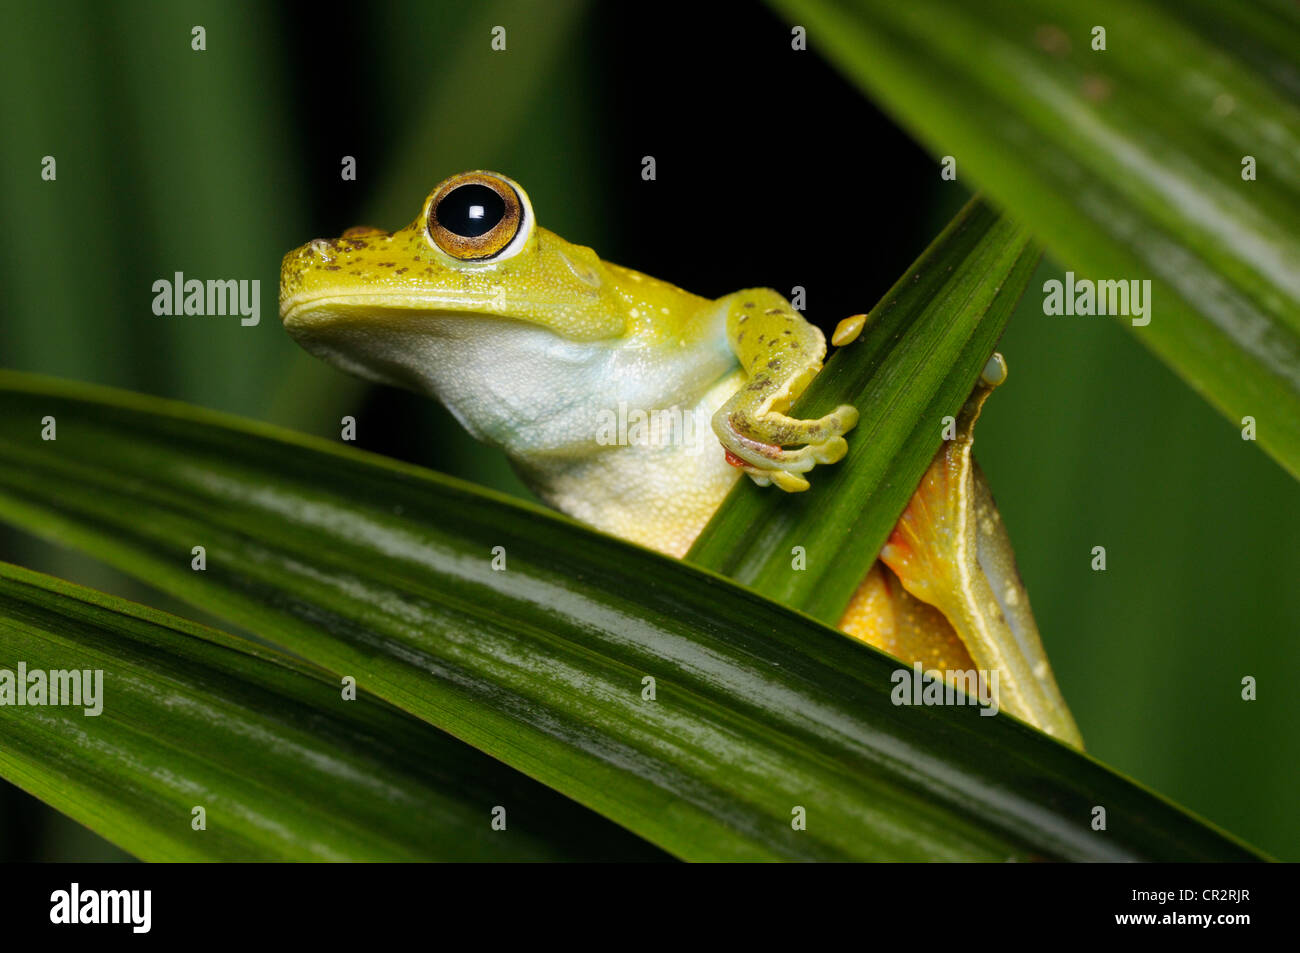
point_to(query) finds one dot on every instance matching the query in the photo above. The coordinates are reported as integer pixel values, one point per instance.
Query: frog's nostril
(322, 249)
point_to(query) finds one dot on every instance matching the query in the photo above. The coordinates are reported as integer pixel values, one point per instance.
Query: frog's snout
(317, 268)
(295, 269)
(318, 252)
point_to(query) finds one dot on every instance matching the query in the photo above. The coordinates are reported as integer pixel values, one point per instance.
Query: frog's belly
(655, 478)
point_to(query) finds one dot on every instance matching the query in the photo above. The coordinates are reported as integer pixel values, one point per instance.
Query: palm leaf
(283, 766)
(385, 572)
(924, 346)
(1126, 162)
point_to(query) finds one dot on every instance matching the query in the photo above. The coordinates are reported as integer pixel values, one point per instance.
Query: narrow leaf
(919, 356)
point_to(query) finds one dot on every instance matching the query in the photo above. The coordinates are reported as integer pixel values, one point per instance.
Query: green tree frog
(539, 347)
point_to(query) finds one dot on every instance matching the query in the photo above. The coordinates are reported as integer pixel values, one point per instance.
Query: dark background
(772, 171)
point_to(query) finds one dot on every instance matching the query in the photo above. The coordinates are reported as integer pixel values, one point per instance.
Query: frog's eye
(476, 216)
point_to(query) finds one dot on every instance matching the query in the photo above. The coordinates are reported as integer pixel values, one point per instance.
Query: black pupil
(470, 210)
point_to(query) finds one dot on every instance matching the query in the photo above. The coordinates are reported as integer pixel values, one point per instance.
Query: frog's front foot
(753, 441)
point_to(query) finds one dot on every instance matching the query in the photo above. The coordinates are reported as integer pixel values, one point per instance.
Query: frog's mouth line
(323, 309)
(311, 313)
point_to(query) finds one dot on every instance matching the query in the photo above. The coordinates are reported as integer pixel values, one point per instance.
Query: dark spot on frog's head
(760, 338)
(386, 264)
(333, 267)
(787, 331)
(399, 271)
(749, 304)
(774, 363)
(774, 311)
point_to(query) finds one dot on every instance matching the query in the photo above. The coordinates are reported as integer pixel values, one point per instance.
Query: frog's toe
(845, 417)
(784, 480)
(759, 439)
(756, 445)
(789, 482)
(830, 451)
(780, 429)
(763, 455)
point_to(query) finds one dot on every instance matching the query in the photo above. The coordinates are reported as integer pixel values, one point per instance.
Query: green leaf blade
(1125, 162)
(917, 361)
(385, 571)
(283, 766)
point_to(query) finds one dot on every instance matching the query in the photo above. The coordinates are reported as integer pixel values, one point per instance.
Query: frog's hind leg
(780, 353)
(885, 615)
(949, 552)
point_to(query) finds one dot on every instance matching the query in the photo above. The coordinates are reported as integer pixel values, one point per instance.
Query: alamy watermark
(636, 427)
(216, 297)
(1128, 297)
(916, 686)
(77, 688)
(129, 907)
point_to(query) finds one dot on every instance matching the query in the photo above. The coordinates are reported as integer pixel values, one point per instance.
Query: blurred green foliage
(217, 163)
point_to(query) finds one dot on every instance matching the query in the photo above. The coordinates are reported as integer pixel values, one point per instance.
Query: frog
(634, 406)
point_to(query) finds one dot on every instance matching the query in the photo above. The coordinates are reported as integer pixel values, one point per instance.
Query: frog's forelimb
(780, 353)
